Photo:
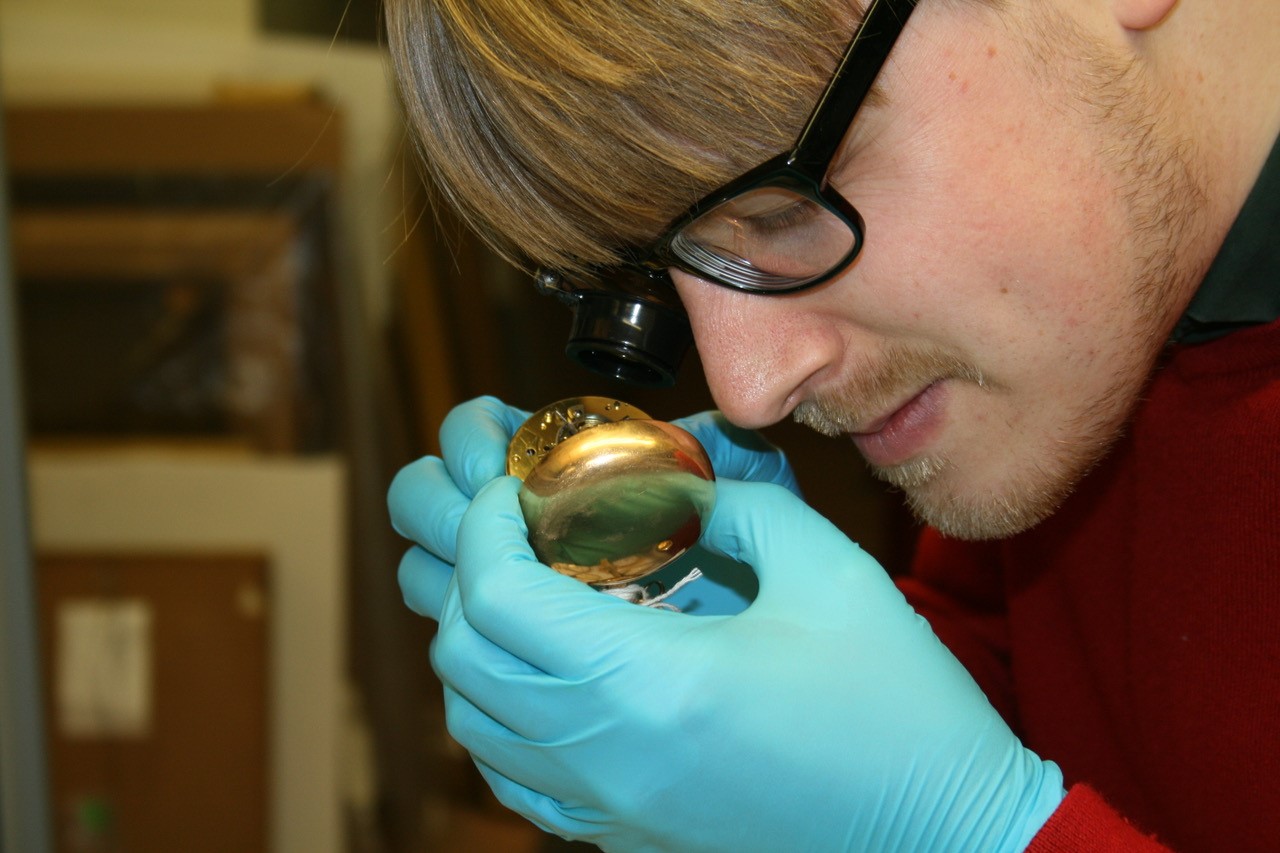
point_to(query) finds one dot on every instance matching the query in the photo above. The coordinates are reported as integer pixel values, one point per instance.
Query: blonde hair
(566, 130)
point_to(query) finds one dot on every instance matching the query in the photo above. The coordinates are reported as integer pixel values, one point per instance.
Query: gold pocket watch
(610, 495)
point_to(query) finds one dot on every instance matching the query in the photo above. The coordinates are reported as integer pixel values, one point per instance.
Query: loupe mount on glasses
(626, 327)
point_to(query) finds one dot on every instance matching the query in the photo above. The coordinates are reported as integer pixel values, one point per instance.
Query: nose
(760, 353)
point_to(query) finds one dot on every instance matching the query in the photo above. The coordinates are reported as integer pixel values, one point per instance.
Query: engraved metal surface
(552, 424)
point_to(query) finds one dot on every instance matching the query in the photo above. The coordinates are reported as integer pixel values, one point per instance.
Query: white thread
(639, 593)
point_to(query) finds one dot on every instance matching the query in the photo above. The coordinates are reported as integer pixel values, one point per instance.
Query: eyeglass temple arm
(825, 129)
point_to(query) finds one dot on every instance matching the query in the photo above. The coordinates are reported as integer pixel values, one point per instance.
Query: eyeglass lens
(767, 238)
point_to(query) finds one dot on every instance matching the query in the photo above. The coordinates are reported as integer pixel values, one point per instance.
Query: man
(1012, 285)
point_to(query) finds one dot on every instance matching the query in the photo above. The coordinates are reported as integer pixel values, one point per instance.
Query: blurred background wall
(191, 51)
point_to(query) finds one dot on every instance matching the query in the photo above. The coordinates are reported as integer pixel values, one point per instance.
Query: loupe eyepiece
(628, 331)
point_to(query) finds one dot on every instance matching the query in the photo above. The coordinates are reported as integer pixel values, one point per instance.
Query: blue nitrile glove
(474, 440)
(826, 716)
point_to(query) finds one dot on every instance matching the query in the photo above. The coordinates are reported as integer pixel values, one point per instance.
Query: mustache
(879, 385)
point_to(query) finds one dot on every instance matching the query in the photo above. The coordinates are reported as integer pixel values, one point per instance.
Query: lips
(879, 423)
(906, 431)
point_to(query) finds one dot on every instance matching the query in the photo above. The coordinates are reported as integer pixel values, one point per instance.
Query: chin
(968, 506)
(979, 518)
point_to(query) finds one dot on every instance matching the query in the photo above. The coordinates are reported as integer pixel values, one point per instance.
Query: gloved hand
(474, 440)
(825, 716)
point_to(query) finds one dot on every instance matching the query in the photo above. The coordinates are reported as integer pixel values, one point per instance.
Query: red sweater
(1134, 637)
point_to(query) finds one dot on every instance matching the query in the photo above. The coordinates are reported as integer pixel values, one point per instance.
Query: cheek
(995, 236)
(985, 188)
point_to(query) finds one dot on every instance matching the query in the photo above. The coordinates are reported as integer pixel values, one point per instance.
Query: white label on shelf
(103, 675)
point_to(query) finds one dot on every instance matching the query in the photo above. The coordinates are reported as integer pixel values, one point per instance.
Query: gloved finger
(426, 507)
(542, 811)
(801, 559)
(550, 783)
(553, 622)
(424, 580)
(525, 776)
(737, 453)
(490, 742)
(474, 439)
(506, 690)
(547, 813)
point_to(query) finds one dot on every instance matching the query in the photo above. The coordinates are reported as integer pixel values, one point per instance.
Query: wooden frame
(258, 257)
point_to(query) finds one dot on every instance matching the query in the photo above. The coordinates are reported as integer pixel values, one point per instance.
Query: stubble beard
(1162, 195)
(936, 489)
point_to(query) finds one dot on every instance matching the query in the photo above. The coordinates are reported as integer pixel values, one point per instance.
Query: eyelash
(794, 214)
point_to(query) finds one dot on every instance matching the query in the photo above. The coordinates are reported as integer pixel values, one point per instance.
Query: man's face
(987, 345)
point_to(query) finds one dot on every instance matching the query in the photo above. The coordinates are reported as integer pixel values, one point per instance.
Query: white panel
(102, 680)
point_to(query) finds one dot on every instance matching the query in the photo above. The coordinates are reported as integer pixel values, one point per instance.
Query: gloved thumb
(795, 552)
(737, 453)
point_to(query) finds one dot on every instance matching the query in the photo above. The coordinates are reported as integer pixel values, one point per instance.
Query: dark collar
(1242, 287)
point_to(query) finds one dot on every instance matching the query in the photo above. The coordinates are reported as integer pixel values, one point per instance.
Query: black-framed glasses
(779, 228)
(782, 227)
